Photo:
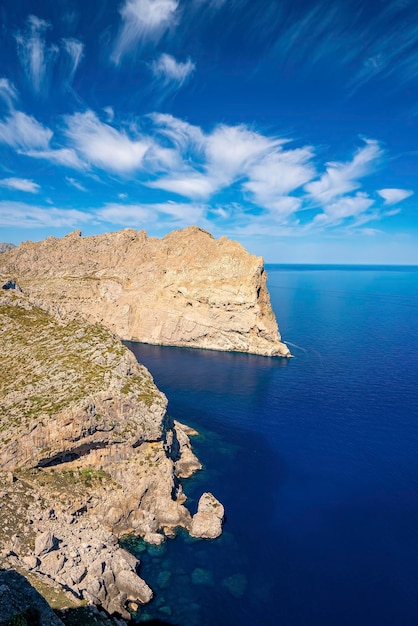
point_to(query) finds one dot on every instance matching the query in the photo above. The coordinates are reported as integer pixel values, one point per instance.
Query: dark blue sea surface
(315, 459)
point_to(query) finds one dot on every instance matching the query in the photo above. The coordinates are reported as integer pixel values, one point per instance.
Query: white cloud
(24, 132)
(29, 137)
(104, 146)
(232, 150)
(74, 49)
(134, 215)
(36, 58)
(370, 232)
(230, 154)
(8, 92)
(74, 183)
(341, 178)
(392, 196)
(110, 113)
(344, 208)
(277, 174)
(20, 184)
(185, 137)
(191, 185)
(66, 157)
(22, 215)
(171, 71)
(143, 20)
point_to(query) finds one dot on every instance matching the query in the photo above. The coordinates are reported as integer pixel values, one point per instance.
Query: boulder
(44, 543)
(133, 586)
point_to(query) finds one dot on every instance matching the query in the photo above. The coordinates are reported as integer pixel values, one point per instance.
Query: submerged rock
(202, 576)
(236, 585)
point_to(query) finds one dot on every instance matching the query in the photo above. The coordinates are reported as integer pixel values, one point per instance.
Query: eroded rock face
(186, 289)
(88, 453)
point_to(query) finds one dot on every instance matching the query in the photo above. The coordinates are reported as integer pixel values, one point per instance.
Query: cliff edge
(87, 453)
(186, 289)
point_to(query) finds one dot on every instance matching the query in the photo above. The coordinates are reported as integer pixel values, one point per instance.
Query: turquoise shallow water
(315, 459)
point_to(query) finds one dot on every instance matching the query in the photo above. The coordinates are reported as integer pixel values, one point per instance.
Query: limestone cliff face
(186, 289)
(93, 453)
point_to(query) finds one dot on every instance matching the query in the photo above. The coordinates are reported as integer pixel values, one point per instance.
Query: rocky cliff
(87, 453)
(187, 289)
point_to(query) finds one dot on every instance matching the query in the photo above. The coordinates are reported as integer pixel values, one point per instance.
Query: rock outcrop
(87, 453)
(187, 289)
(4, 247)
(207, 522)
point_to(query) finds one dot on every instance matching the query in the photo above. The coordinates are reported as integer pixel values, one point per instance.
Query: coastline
(80, 473)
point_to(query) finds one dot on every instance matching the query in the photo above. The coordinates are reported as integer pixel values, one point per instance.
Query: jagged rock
(4, 247)
(188, 463)
(155, 539)
(207, 522)
(134, 587)
(187, 289)
(44, 543)
(31, 561)
(52, 563)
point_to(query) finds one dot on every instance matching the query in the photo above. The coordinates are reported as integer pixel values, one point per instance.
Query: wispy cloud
(177, 214)
(8, 93)
(341, 178)
(22, 215)
(343, 208)
(20, 184)
(74, 50)
(171, 72)
(142, 21)
(35, 56)
(103, 145)
(276, 175)
(277, 182)
(343, 35)
(66, 157)
(220, 158)
(74, 183)
(23, 132)
(393, 196)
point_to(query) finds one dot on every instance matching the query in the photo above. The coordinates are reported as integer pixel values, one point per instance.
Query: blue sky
(290, 126)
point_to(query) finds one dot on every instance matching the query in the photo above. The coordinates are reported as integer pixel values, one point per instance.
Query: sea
(315, 459)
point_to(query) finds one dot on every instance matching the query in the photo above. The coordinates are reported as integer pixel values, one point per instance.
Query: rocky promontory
(88, 453)
(186, 289)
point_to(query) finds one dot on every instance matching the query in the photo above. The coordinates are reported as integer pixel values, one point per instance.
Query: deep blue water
(315, 459)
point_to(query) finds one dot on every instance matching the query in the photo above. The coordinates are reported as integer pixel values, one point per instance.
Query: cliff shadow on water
(228, 579)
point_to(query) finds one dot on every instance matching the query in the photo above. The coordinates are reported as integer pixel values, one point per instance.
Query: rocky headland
(88, 453)
(186, 289)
